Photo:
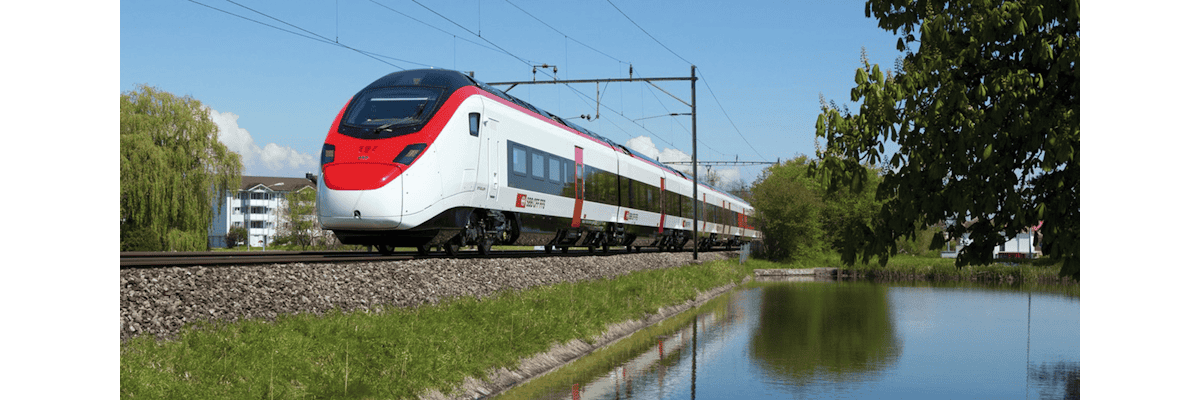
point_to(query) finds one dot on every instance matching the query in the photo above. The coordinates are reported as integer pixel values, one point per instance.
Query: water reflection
(841, 340)
(839, 331)
(1057, 380)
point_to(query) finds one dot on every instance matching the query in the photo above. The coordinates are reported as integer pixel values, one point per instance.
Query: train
(434, 159)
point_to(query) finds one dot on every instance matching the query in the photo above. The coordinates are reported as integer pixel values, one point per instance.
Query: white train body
(433, 158)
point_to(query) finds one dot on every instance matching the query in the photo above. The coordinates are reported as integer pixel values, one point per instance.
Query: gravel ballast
(160, 302)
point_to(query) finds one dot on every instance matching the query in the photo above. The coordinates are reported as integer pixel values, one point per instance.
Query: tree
(788, 205)
(298, 225)
(985, 113)
(173, 169)
(800, 218)
(237, 236)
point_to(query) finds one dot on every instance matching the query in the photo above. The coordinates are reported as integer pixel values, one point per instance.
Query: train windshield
(393, 106)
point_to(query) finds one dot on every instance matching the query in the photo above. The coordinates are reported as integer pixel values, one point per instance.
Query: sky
(274, 93)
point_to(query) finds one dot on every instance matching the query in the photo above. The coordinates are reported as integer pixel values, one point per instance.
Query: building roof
(276, 184)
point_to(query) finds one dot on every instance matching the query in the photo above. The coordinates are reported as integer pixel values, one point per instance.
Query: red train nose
(359, 176)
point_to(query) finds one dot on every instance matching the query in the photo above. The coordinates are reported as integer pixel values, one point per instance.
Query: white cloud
(726, 177)
(273, 157)
(276, 156)
(645, 145)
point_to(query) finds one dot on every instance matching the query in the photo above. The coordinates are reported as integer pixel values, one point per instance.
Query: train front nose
(361, 196)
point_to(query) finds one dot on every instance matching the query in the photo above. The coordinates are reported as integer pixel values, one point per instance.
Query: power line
(735, 128)
(564, 35)
(525, 61)
(434, 27)
(676, 120)
(335, 42)
(710, 91)
(318, 38)
(648, 34)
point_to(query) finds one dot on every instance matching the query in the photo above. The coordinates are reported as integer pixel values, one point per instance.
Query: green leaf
(987, 152)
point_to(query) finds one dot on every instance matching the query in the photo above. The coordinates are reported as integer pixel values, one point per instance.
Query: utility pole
(695, 178)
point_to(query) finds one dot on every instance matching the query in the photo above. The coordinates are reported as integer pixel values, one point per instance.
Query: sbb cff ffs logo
(524, 201)
(631, 216)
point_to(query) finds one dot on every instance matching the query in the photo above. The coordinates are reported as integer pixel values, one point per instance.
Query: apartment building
(259, 205)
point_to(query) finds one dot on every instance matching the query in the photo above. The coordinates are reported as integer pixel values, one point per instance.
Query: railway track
(175, 259)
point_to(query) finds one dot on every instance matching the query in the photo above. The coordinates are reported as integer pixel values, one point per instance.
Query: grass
(904, 267)
(398, 352)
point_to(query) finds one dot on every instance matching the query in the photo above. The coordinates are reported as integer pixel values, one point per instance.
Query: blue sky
(275, 93)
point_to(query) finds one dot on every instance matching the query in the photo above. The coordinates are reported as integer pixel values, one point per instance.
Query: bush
(178, 240)
(235, 237)
(919, 244)
(143, 239)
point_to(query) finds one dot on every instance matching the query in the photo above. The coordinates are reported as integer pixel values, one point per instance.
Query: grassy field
(406, 352)
(398, 352)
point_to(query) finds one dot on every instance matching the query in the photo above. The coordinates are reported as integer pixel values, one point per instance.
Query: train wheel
(549, 248)
(386, 249)
(564, 250)
(592, 249)
(604, 248)
(451, 249)
(423, 250)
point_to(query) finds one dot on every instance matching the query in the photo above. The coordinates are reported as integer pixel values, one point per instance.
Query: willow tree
(984, 108)
(173, 171)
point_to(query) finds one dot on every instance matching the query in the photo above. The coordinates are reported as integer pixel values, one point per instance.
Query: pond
(815, 340)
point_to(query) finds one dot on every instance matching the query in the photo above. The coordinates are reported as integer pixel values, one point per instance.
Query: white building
(1021, 246)
(258, 206)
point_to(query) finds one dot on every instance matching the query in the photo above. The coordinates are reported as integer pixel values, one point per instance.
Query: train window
(474, 121)
(393, 106)
(518, 161)
(555, 170)
(538, 167)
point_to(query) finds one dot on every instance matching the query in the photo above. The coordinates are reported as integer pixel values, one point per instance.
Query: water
(824, 340)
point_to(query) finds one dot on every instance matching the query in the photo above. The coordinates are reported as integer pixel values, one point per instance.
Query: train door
(478, 128)
(576, 218)
(662, 203)
(462, 172)
(487, 180)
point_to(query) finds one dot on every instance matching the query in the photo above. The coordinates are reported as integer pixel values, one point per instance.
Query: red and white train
(432, 158)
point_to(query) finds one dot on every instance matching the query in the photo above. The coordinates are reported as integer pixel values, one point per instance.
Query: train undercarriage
(458, 228)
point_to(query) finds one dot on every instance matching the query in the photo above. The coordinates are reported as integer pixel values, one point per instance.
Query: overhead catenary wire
(436, 28)
(664, 106)
(710, 91)
(648, 33)
(318, 38)
(478, 34)
(735, 128)
(564, 34)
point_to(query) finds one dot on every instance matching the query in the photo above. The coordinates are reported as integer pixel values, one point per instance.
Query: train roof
(452, 80)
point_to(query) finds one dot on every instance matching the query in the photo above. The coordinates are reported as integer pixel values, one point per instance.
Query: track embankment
(160, 302)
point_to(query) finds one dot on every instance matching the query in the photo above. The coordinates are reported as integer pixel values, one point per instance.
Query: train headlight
(410, 153)
(326, 154)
